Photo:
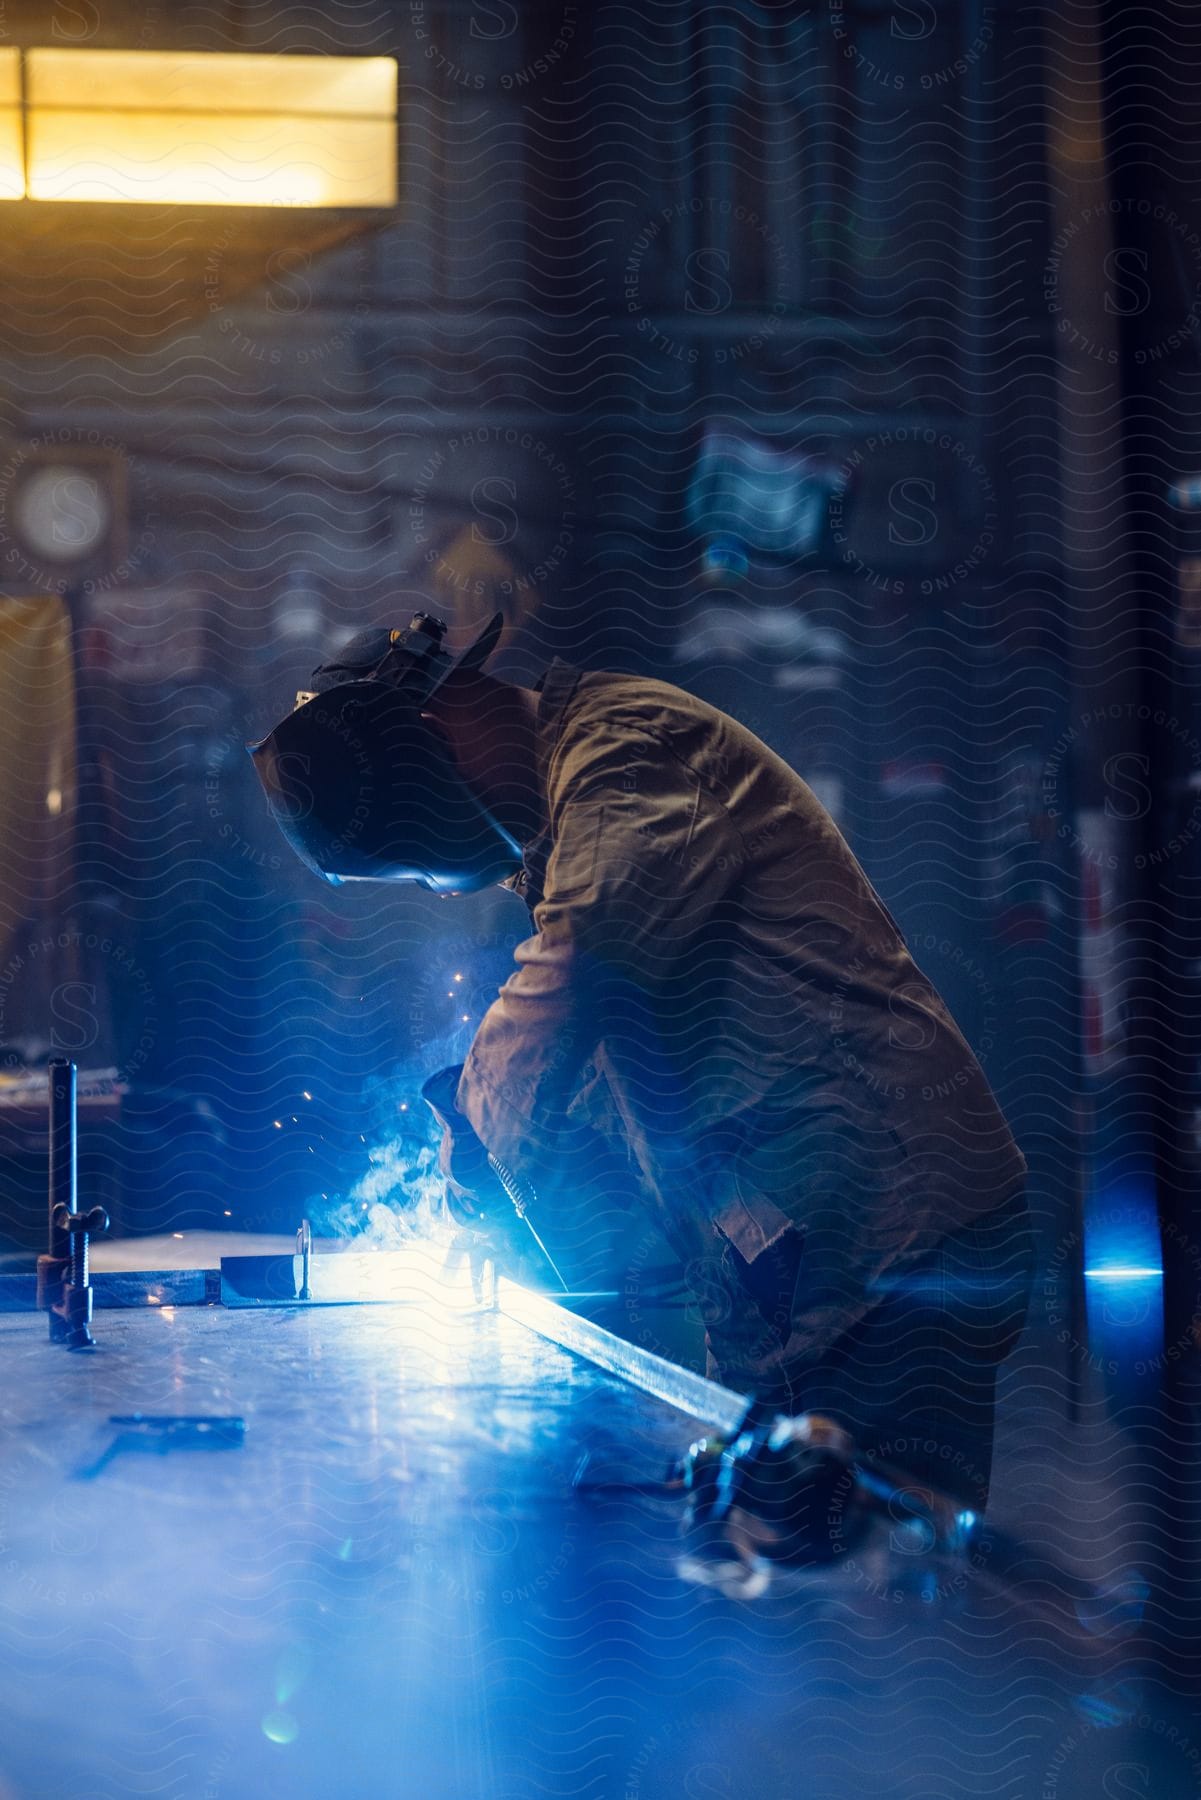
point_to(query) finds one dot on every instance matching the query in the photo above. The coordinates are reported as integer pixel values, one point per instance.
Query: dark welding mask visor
(364, 789)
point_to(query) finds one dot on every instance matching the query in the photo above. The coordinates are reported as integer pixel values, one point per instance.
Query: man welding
(713, 984)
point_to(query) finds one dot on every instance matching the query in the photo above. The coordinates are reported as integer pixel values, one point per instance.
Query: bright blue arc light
(1121, 1273)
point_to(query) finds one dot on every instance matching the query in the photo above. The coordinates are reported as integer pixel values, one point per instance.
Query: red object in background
(147, 634)
(912, 776)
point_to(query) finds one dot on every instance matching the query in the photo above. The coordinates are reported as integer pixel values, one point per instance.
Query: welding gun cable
(521, 1193)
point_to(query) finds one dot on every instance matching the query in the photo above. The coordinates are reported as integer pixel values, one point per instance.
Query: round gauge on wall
(63, 511)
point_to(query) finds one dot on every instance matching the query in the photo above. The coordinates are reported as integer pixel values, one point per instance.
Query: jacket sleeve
(642, 853)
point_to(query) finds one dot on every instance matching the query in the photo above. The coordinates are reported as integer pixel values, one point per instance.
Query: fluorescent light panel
(150, 126)
(12, 152)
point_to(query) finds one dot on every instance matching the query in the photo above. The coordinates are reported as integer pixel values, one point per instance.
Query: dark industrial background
(840, 362)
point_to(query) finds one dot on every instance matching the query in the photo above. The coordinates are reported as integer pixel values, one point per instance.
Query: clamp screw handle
(90, 1222)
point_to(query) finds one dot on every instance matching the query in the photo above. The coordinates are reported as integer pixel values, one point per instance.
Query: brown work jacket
(714, 980)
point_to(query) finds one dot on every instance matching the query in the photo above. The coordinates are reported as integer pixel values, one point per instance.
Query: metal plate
(123, 1288)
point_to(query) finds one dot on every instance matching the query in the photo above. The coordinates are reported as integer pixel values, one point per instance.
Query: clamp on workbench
(64, 1291)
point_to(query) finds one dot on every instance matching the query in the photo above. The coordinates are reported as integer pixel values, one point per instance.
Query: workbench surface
(390, 1589)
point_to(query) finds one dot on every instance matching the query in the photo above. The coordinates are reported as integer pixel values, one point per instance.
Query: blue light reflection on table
(391, 1589)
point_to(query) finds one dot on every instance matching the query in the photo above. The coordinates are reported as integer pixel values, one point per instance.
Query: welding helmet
(364, 788)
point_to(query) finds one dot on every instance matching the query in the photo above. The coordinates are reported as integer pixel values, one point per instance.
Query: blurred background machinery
(847, 376)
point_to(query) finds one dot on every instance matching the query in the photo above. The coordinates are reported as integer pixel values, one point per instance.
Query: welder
(713, 986)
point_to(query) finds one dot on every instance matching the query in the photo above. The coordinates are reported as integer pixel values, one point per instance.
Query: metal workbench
(390, 1588)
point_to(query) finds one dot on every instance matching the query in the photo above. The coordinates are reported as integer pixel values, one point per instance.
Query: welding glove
(471, 1186)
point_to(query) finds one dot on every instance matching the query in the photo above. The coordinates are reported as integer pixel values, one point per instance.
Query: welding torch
(472, 1167)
